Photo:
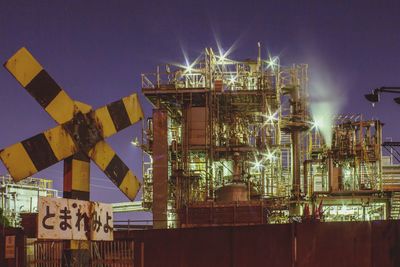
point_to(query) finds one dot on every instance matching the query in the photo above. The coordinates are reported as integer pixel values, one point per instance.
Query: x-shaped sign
(81, 129)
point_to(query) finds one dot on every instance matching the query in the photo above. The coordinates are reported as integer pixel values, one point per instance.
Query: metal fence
(102, 253)
(45, 253)
(114, 253)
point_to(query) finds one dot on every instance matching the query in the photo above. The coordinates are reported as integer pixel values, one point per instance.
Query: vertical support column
(209, 133)
(77, 177)
(297, 113)
(160, 168)
(378, 151)
(296, 158)
(264, 183)
(305, 174)
(331, 182)
(77, 186)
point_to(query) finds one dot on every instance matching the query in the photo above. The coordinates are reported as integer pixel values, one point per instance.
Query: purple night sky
(96, 50)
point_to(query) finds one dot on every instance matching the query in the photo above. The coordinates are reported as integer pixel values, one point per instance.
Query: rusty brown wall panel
(197, 120)
(199, 216)
(248, 214)
(29, 224)
(186, 247)
(223, 215)
(209, 247)
(228, 214)
(385, 243)
(334, 244)
(361, 244)
(19, 258)
(262, 246)
(216, 246)
(162, 250)
(160, 168)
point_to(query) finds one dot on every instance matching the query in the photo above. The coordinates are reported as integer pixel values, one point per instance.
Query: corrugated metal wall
(310, 244)
(333, 244)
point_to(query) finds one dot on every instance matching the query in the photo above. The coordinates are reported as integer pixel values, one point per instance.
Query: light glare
(272, 62)
(257, 164)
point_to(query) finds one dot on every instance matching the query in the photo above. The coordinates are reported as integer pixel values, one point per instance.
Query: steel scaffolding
(242, 131)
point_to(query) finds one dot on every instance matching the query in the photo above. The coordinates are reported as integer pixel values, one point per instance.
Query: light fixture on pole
(374, 97)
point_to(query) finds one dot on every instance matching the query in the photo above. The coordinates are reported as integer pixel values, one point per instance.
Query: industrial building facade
(22, 197)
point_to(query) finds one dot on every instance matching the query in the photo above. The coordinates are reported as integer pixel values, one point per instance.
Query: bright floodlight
(232, 80)
(272, 62)
(316, 124)
(257, 164)
(189, 68)
(270, 155)
(271, 117)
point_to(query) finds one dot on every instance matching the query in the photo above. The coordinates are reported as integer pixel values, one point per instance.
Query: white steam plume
(327, 98)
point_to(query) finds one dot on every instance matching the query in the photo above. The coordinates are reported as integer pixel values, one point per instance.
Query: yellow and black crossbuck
(80, 129)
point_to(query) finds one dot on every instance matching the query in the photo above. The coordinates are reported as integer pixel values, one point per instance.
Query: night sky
(96, 51)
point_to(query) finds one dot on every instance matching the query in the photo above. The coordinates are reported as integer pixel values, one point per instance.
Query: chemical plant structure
(234, 143)
(22, 197)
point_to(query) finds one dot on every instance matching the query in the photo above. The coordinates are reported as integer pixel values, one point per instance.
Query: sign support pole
(77, 186)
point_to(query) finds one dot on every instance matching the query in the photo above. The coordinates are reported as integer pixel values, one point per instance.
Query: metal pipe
(305, 174)
(330, 172)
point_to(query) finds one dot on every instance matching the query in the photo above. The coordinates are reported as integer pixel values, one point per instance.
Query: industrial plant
(236, 143)
(199, 134)
(237, 156)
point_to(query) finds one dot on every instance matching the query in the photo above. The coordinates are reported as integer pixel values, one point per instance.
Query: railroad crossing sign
(79, 135)
(71, 219)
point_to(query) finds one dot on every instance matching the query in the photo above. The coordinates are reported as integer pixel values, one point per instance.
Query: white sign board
(9, 247)
(70, 219)
(103, 229)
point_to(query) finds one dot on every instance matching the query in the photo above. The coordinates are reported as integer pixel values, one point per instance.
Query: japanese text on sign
(71, 219)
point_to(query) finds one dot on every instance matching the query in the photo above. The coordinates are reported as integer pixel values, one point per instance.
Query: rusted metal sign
(70, 219)
(9, 247)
